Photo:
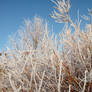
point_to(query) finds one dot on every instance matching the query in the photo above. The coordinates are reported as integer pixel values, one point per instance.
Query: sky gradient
(13, 13)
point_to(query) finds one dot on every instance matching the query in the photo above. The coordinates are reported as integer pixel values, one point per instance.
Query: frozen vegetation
(36, 61)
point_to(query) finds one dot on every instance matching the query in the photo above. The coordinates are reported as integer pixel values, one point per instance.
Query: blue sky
(13, 13)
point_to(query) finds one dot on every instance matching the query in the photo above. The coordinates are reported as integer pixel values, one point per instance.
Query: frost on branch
(61, 12)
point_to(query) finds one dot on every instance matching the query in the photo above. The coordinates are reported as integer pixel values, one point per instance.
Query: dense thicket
(39, 62)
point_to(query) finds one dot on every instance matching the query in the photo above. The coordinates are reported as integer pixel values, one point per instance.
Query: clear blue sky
(13, 13)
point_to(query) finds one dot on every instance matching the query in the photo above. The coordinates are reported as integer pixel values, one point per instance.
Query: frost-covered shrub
(36, 61)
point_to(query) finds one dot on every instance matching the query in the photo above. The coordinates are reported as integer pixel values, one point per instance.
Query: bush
(39, 62)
